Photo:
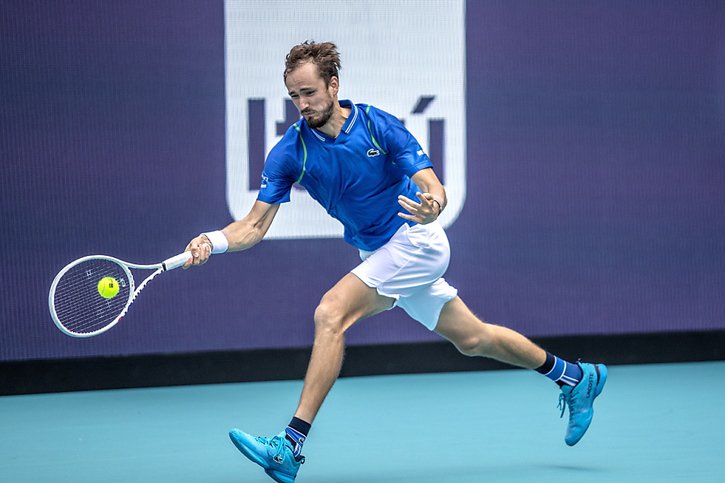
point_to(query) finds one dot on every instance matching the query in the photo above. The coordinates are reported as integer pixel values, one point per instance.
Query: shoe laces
(562, 404)
(566, 399)
(280, 445)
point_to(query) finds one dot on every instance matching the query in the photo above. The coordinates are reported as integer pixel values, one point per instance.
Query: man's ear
(334, 84)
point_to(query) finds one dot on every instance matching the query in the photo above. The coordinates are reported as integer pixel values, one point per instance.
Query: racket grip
(176, 261)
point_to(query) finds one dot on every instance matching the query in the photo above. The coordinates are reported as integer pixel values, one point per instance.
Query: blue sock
(560, 371)
(296, 433)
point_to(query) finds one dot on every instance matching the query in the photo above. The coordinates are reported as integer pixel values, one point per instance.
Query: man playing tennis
(369, 172)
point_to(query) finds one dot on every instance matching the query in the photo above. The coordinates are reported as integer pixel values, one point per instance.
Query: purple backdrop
(596, 175)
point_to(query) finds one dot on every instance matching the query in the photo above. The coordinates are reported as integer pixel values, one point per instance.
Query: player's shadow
(569, 468)
(469, 473)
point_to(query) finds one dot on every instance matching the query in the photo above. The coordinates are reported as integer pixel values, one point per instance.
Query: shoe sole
(279, 478)
(255, 459)
(246, 451)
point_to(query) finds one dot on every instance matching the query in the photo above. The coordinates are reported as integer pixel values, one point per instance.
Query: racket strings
(79, 306)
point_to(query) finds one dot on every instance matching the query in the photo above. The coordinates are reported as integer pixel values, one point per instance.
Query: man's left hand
(425, 212)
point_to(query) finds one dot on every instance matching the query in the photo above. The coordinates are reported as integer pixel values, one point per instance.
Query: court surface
(653, 423)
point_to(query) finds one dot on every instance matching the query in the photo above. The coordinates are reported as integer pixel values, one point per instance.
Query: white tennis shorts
(410, 268)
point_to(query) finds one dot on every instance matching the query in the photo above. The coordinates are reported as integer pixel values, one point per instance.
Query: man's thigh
(350, 300)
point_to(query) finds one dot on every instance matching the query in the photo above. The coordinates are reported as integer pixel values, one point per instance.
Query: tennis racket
(76, 303)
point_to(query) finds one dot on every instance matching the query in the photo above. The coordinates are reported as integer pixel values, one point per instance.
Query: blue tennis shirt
(356, 176)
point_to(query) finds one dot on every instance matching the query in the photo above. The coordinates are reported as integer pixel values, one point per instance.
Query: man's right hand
(200, 248)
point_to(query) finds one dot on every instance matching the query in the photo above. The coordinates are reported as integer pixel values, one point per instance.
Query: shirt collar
(346, 127)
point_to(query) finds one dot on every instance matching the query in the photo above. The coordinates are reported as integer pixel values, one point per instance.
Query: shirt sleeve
(399, 143)
(279, 173)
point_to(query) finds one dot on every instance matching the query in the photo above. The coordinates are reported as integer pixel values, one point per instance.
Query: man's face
(311, 96)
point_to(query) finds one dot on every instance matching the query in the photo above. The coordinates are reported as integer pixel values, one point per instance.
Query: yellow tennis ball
(108, 287)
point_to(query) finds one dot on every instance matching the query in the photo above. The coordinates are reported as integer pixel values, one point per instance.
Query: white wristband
(219, 242)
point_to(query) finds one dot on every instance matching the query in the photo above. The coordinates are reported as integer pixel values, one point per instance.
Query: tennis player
(364, 167)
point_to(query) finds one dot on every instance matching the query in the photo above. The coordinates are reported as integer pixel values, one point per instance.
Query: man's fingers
(422, 212)
(191, 258)
(199, 253)
(425, 198)
(408, 204)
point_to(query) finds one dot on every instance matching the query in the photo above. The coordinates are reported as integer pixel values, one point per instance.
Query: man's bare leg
(473, 337)
(580, 383)
(344, 304)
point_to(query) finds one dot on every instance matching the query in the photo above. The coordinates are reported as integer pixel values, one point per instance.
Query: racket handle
(176, 261)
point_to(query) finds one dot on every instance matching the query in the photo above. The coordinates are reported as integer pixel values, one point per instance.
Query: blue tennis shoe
(273, 454)
(580, 400)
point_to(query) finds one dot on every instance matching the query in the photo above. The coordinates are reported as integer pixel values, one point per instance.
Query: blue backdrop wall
(595, 175)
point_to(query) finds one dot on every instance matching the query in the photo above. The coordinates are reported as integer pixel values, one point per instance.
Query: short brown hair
(324, 55)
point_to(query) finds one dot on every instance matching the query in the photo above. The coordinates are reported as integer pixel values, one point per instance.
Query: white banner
(407, 58)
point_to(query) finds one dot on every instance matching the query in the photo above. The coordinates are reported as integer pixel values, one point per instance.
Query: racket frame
(166, 265)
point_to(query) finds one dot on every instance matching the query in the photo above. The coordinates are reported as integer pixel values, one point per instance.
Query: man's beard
(322, 119)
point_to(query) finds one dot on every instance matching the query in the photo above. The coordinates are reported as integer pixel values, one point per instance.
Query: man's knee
(470, 346)
(477, 344)
(329, 316)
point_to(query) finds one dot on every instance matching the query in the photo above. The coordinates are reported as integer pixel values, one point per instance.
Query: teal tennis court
(656, 422)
